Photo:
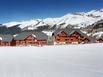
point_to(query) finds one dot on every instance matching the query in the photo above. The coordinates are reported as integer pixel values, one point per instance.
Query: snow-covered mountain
(78, 19)
(91, 22)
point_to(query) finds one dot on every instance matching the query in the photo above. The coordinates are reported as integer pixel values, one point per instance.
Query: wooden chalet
(30, 38)
(61, 36)
(6, 40)
(41, 38)
(68, 36)
(77, 36)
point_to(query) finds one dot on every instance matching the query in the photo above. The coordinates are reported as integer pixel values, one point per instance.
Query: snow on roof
(0, 38)
(33, 35)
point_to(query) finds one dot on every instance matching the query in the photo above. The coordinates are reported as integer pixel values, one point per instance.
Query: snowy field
(52, 61)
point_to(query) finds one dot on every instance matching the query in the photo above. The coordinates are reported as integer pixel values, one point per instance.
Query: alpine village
(39, 33)
(64, 36)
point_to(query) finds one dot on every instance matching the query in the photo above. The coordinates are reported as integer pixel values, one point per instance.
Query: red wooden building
(61, 37)
(6, 40)
(77, 36)
(68, 36)
(30, 38)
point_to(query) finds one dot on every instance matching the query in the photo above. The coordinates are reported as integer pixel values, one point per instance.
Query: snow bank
(52, 61)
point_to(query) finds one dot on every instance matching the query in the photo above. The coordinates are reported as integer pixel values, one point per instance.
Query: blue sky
(16, 10)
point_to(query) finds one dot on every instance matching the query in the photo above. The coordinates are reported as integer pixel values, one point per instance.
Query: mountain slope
(79, 19)
(90, 22)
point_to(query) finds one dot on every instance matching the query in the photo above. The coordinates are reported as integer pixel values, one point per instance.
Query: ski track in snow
(52, 61)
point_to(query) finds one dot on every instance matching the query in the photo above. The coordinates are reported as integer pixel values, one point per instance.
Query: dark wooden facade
(73, 38)
(4, 43)
(61, 38)
(41, 42)
(30, 40)
(76, 37)
(13, 42)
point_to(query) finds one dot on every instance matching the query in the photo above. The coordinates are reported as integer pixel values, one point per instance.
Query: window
(58, 39)
(66, 39)
(71, 39)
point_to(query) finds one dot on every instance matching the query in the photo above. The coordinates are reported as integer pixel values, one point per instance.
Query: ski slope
(52, 61)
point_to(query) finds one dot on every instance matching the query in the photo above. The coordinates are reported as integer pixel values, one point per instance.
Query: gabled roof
(25, 34)
(40, 35)
(92, 39)
(69, 31)
(79, 31)
(66, 30)
(6, 37)
(22, 36)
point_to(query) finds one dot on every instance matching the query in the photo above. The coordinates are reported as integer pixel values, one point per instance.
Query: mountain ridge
(81, 20)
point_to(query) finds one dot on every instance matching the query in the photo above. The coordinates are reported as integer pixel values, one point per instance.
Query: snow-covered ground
(52, 61)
